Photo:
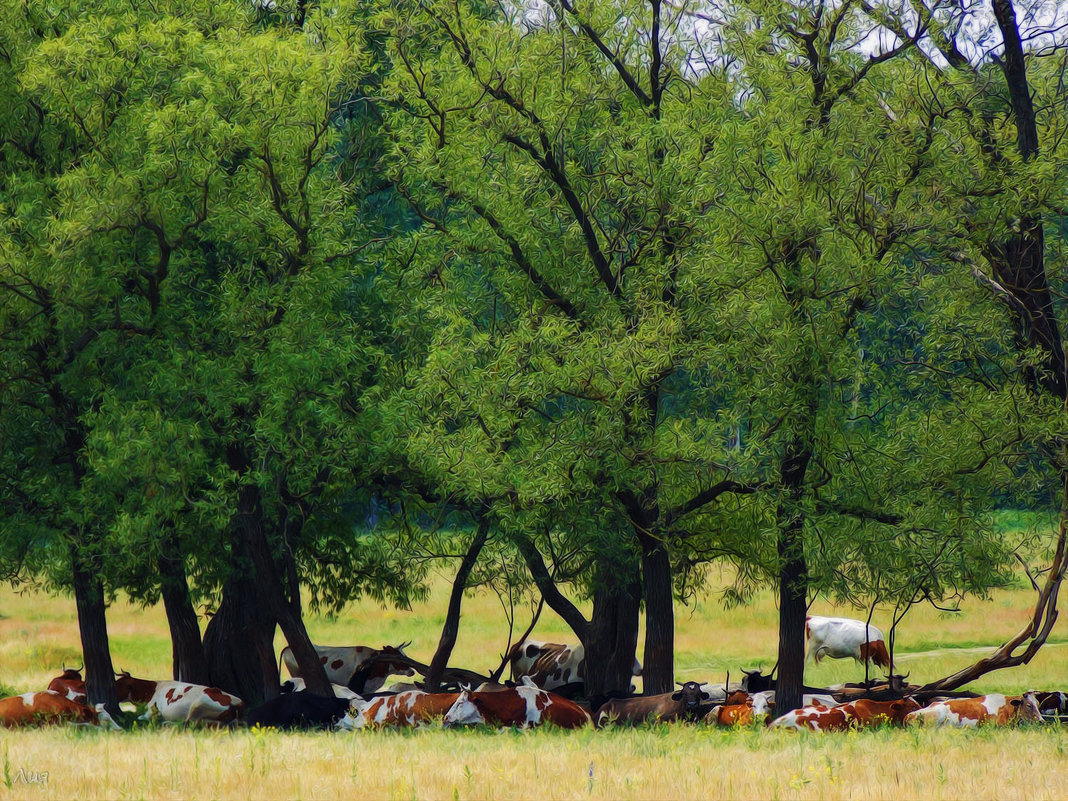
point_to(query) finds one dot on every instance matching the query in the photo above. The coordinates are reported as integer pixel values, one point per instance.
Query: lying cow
(551, 665)
(524, 705)
(1053, 703)
(741, 709)
(855, 714)
(842, 637)
(48, 707)
(298, 685)
(179, 701)
(359, 667)
(999, 710)
(666, 707)
(299, 710)
(70, 685)
(406, 709)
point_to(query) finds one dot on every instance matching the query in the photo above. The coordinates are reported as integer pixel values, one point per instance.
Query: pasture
(38, 635)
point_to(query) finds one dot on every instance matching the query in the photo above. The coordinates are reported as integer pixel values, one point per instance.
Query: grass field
(38, 635)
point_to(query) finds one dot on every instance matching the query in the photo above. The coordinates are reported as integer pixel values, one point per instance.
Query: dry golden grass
(680, 762)
(38, 634)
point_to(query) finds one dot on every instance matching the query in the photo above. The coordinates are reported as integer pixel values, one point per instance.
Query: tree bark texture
(658, 665)
(187, 648)
(93, 629)
(612, 634)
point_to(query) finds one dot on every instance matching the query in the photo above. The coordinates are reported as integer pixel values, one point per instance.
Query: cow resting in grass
(999, 710)
(299, 710)
(403, 710)
(525, 705)
(342, 664)
(179, 701)
(683, 703)
(856, 714)
(70, 685)
(842, 637)
(48, 707)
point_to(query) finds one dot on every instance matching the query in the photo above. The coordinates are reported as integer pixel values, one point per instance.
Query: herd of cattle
(546, 687)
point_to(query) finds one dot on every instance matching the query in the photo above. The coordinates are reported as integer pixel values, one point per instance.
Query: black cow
(300, 710)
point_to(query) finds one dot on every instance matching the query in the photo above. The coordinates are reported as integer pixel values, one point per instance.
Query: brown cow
(665, 707)
(70, 685)
(411, 708)
(865, 712)
(999, 710)
(731, 715)
(43, 707)
(525, 705)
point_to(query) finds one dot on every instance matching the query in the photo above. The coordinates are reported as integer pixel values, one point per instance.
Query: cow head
(898, 709)
(755, 681)
(691, 695)
(897, 682)
(127, 688)
(1025, 708)
(464, 711)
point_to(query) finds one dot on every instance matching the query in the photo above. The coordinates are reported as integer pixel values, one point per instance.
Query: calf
(999, 710)
(299, 710)
(70, 685)
(665, 707)
(525, 705)
(179, 701)
(841, 637)
(411, 708)
(46, 707)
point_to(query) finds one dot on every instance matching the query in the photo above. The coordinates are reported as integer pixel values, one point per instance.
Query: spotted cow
(551, 665)
(524, 705)
(1053, 703)
(665, 707)
(70, 685)
(407, 709)
(741, 709)
(855, 714)
(45, 707)
(842, 637)
(359, 667)
(998, 710)
(179, 701)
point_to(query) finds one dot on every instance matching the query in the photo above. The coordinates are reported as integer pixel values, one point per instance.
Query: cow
(664, 707)
(842, 637)
(524, 705)
(551, 665)
(46, 707)
(1052, 703)
(999, 710)
(866, 712)
(741, 708)
(298, 685)
(815, 718)
(299, 710)
(179, 701)
(70, 685)
(343, 663)
(411, 708)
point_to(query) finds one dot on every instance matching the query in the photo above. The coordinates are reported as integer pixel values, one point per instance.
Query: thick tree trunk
(187, 648)
(286, 610)
(93, 629)
(452, 618)
(612, 634)
(658, 667)
(239, 641)
(793, 606)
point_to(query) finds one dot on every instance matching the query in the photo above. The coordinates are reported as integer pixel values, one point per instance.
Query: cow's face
(464, 712)
(691, 695)
(1026, 708)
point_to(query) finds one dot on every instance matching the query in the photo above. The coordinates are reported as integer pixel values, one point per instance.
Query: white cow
(843, 637)
(179, 701)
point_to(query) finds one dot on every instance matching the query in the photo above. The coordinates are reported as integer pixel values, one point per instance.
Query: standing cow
(843, 637)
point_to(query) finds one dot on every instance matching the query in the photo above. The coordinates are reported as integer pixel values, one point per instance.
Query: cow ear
(676, 696)
(705, 695)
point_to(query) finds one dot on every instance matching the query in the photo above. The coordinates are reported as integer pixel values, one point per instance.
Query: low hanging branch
(1034, 634)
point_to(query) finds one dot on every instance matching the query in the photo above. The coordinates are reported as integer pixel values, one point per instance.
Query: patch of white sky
(695, 29)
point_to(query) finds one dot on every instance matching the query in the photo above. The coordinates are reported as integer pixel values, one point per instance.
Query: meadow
(38, 635)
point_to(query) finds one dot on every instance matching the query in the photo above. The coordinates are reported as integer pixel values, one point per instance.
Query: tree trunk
(612, 634)
(93, 629)
(272, 591)
(793, 606)
(187, 649)
(452, 618)
(658, 667)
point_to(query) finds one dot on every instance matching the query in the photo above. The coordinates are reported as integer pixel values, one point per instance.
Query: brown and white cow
(665, 707)
(70, 685)
(342, 662)
(843, 637)
(44, 707)
(814, 718)
(525, 705)
(412, 708)
(551, 665)
(855, 714)
(998, 710)
(179, 701)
